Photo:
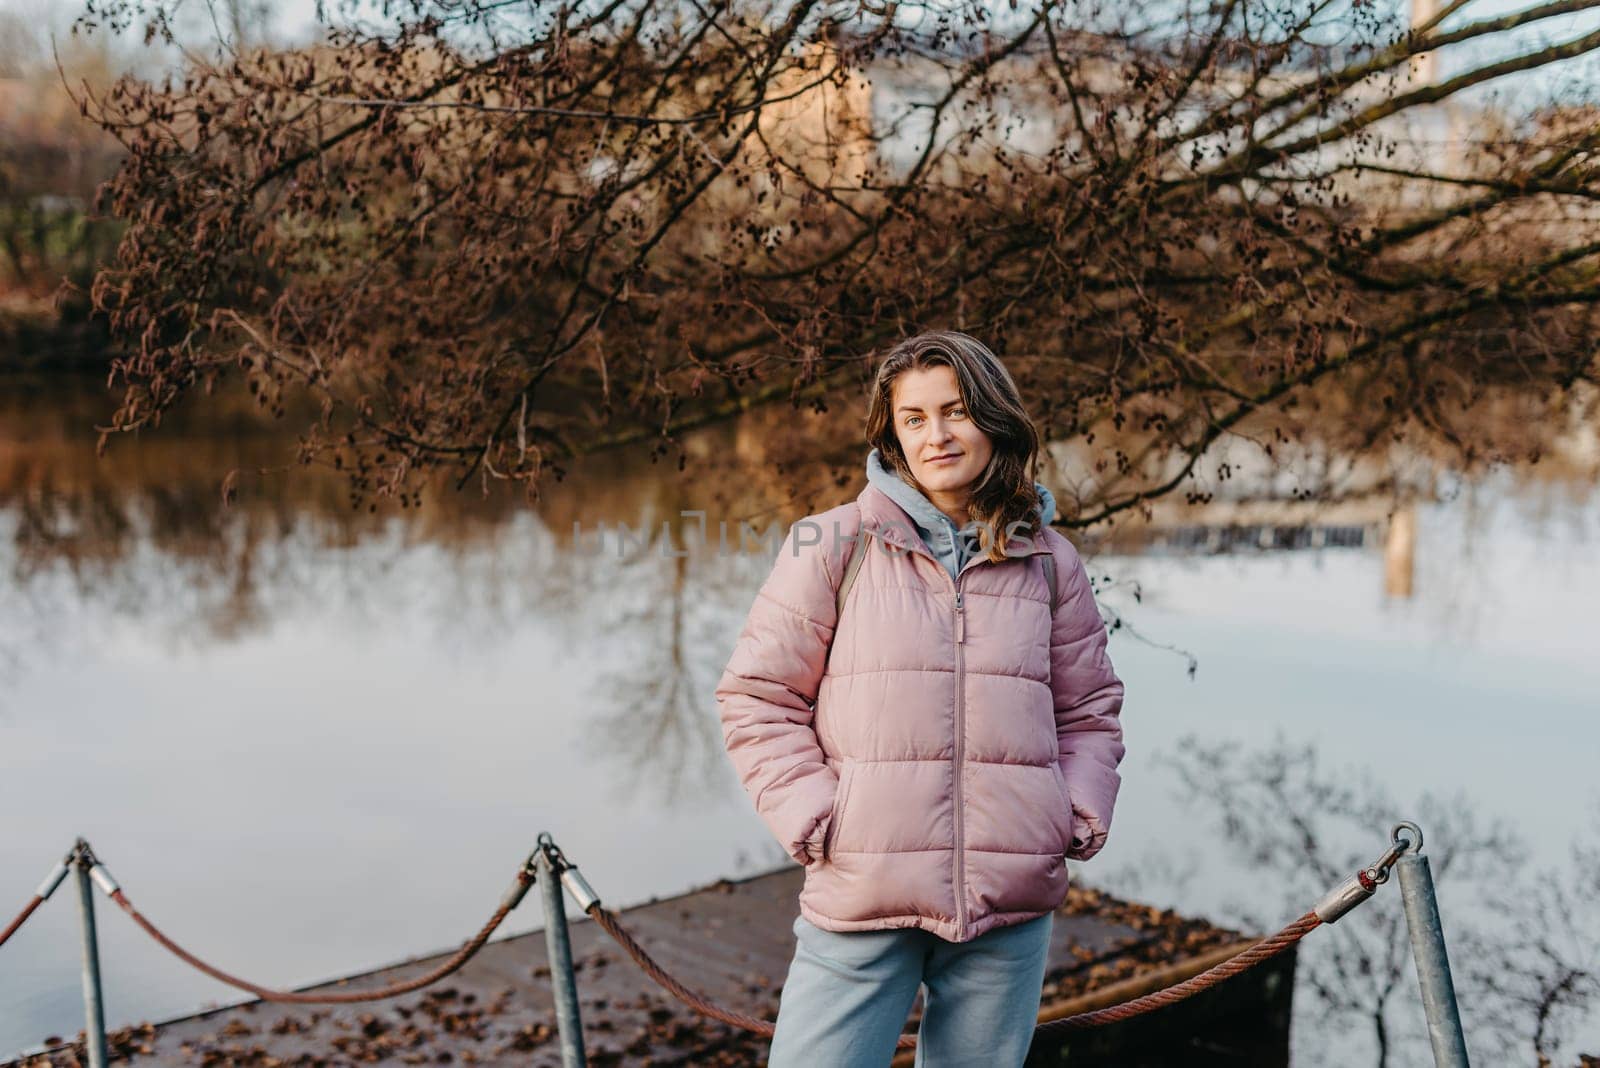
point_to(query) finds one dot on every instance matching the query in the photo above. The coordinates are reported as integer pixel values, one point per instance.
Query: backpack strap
(858, 552)
(1048, 562)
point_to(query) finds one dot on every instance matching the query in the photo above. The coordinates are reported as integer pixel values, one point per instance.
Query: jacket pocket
(1068, 817)
(847, 772)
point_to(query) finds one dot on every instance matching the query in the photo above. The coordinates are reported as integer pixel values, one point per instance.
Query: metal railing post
(563, 981)
(94, 1033)
(1433, 966)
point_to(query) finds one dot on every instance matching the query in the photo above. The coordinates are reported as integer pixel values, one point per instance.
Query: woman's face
(946, 450)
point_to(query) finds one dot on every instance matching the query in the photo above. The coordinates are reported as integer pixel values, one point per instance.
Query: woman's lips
(945, 459)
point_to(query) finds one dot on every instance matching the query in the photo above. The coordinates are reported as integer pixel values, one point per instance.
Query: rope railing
(1246, 959)
(46, 888)
(547, 857)
(343, 997)
(22, 917)
(84, 855)
(1340, 900)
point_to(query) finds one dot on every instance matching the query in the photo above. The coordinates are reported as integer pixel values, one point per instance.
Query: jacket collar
(891, 523)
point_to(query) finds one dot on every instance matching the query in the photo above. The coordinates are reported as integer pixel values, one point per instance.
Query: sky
(295, 19)
(292, 21)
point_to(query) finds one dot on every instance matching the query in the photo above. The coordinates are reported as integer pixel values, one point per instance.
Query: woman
(936, 746)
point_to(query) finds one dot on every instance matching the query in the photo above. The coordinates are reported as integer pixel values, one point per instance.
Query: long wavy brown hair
(1004, 493)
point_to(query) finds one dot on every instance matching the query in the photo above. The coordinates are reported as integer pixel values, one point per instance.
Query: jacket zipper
(960, 754)
(959, 872)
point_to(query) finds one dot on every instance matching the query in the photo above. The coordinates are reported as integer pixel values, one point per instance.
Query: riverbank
(36, 337)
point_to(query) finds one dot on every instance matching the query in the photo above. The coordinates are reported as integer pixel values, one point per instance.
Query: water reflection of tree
(144, 536)
(671, 603)
(1549, 969)
(1523, 944)
(650, 715)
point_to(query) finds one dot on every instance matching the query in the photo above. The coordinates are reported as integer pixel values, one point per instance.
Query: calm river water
(310, 740)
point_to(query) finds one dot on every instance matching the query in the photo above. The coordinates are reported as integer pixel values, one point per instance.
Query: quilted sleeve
(1088, 706)
(768, 692)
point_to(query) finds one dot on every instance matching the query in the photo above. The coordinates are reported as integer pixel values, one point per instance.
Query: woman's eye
(962, 412)
(913, 420)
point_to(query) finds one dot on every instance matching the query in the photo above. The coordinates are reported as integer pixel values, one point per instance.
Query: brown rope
(460, 957)
(1243, 961)
(27, 910)
(608, 922)
(1247, 958)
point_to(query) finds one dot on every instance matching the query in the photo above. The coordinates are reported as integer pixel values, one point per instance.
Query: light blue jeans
(848, 994)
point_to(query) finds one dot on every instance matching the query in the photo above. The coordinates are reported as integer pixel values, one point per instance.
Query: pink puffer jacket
(933, 767)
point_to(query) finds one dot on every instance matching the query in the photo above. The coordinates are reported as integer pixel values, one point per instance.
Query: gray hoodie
(939, 532)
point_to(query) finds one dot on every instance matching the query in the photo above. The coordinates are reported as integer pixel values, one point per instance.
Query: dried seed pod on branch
(499, 236)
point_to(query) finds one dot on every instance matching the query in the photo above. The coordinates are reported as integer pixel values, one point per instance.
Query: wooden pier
(731, 941)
